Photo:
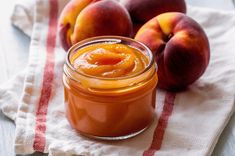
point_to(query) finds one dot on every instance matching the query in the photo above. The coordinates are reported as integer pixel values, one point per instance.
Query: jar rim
(107, 39)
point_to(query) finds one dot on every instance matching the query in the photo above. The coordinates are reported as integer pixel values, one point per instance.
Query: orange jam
(109, 86)
(109, 60)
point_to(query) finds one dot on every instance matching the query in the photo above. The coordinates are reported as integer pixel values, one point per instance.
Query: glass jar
(110, 108)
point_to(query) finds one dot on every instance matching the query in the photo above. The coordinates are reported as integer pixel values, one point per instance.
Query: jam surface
(109, 60)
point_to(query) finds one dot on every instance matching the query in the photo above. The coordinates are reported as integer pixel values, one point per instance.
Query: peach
(81, 19)
(180, 46)
(143, 10)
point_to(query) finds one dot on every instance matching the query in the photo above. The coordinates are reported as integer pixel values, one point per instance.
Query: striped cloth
(186, 123)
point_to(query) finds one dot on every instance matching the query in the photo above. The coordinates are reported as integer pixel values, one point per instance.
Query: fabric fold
(22, 16)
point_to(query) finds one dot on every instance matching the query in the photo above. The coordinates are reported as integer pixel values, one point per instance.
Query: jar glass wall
(110, 108)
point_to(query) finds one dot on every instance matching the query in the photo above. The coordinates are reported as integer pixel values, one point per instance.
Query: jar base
(116, 138)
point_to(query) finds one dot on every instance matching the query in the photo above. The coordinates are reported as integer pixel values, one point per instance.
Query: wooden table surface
(14, 46)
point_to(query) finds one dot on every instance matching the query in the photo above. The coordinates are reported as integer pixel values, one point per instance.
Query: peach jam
(109, 87)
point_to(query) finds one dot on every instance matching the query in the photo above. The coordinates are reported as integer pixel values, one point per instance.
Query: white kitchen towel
(23, 15)
(187, 123)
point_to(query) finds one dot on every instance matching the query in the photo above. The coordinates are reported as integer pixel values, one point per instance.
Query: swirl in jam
(109, 60)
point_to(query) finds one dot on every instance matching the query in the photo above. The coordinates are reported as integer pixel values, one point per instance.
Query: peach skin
(81, 19)
(180, 46)
(142, 11)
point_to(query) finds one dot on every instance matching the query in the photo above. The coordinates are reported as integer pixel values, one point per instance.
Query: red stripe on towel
(162, 125)
(48, 76)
